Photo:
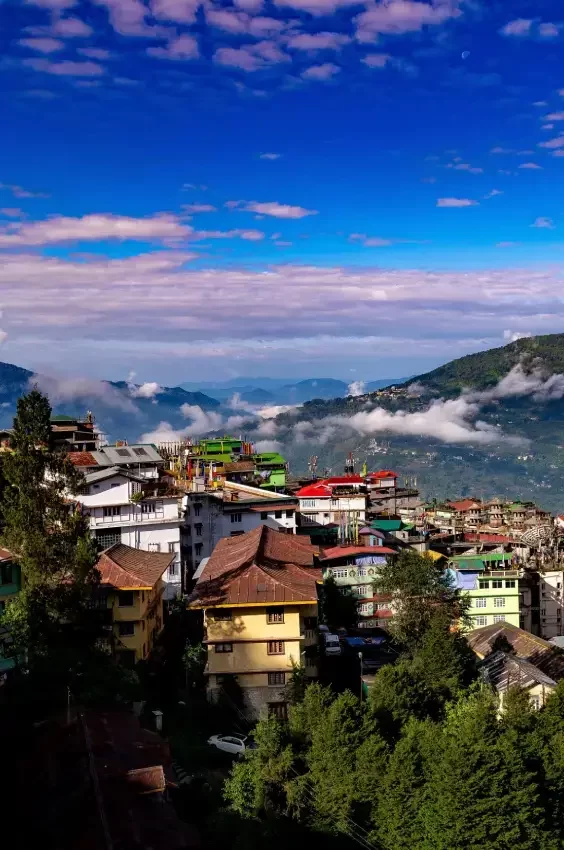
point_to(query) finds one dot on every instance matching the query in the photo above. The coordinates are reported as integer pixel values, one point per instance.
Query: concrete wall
(551, 607)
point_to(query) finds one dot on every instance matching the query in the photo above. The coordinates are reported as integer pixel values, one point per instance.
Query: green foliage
(338, 608)
(295, 689)
(51, 619)
(421, 590)
(194, 659)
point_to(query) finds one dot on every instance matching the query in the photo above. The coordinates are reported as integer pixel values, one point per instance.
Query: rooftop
(505, 671)
(341, 551)
(539, 652)
(124, 567)
(82, 459)
(259, 566)
(383, 473)
(464, 504)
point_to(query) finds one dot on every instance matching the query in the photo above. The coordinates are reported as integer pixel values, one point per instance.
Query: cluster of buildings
(226, 528)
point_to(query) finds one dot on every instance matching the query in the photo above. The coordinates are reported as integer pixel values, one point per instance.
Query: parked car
(234, 744)
(332, 644)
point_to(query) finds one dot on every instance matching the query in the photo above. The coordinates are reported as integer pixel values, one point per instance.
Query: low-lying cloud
(61, 390)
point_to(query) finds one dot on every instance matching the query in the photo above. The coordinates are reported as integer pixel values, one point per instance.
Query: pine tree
(50, 619)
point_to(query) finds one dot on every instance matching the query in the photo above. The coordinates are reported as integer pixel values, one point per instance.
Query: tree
(420, 588)
(339, 608)
(194, 659)
(52, 618)
(444, 656)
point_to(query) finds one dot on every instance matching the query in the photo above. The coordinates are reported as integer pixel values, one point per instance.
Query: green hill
(485, 368)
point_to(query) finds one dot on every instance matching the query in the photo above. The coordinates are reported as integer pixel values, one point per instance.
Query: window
(308, 503)
(278, 710)
(363, 590)
(543, 612)
(499, 602)
(499, 618)
(497, 583)
(263, 515)
(171, 547)
(197, 508)
(6, 576)
(277, 514)
(480, 620)
(139, 452)
(484, 585)
(125, 599)
(289, 514)
(198, 549)
(339, 573)
(188, 530)
(236, 517)
(198, 529)
(126, 629)
(112, 510)
(308, 519)
(117, 484)
(221, 614)
(275, 615)
(275, 647)
(510, 583)
(147, 508)
(481, 602)
(276, 678)
(535, 701)
(224, 647)
(122, 452)
(154, 547)
(172, 569)
(366, 608)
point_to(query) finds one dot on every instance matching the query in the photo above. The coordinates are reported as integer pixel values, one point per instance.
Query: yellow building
(132, 588)
(259, 595)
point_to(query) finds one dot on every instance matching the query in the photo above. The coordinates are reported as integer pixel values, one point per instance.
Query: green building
(491, 585)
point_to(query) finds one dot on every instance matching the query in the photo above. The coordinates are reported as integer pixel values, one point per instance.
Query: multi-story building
(131, 588)
(258, 592)
(75, 435)
(356, 568)
(551, 603)
(230, 510)
(468, 513)
(135, 510)
(140, 459)
(492, 586)
(338, 501)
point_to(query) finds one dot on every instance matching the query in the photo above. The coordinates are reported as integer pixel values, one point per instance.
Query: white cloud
(549, 30)
(66, 68)
(73, 389)
(3, 336)
(318, 41)
(376, 60)
(356, 388)
(531, 166)
(513, 336)
(321, 72)
(456, 202)
(179, 49)
(199, 208)
(396, 17)
(201, 421)
(268, 446)
(271, 208)
(147, 390)
(270, 155)
(543, 222)
(492, 194)
(42, 45)
(94, 227)
(558, 142)
(20, 192)
(520, 27)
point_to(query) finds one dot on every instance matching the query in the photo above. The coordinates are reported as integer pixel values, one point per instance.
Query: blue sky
(296, 188)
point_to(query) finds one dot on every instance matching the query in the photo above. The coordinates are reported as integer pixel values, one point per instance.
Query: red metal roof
(318, 490)
(484, 537)
(262, 565)
(383, 473)
(339, 551)
(344, 479)
(123, 566)
(82, 459)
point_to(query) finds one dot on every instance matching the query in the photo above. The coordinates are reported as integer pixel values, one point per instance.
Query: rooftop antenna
(349, 464)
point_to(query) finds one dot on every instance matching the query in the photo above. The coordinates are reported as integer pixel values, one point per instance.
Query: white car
(235, 744)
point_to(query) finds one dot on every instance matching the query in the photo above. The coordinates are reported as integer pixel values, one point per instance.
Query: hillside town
(253, 555)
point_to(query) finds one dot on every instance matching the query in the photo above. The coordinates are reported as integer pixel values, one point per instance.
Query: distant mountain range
(257, 391)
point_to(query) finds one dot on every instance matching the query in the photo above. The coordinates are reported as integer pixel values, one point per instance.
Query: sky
(297, 188)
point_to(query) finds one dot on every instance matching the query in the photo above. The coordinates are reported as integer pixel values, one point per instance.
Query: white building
(333, 500)
(134, 509)
(229, 511)
(550, 592)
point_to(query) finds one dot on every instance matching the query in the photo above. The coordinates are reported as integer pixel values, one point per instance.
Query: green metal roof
(473, 564)
(387, 524)
(61, 418)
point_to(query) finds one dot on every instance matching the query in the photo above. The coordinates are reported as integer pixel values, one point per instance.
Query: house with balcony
(132, 589)
(467, 513)
(258, 593)
(136, 510)
(229, 510)
(492, 584)
(355, 569)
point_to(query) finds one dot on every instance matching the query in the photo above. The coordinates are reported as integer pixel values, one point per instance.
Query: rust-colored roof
(267, 507)
(5, 555)
(123, 566)
(339, 551)
(82, 459)
(525, 645)
(239, 466)
(262, 565)
(464, 504)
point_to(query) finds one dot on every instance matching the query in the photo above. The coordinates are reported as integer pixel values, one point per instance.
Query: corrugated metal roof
(259, 566)
(387, 524)
(123, 566)
(505, 671)
(539, 652)
(101, 474)
(340, 551)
